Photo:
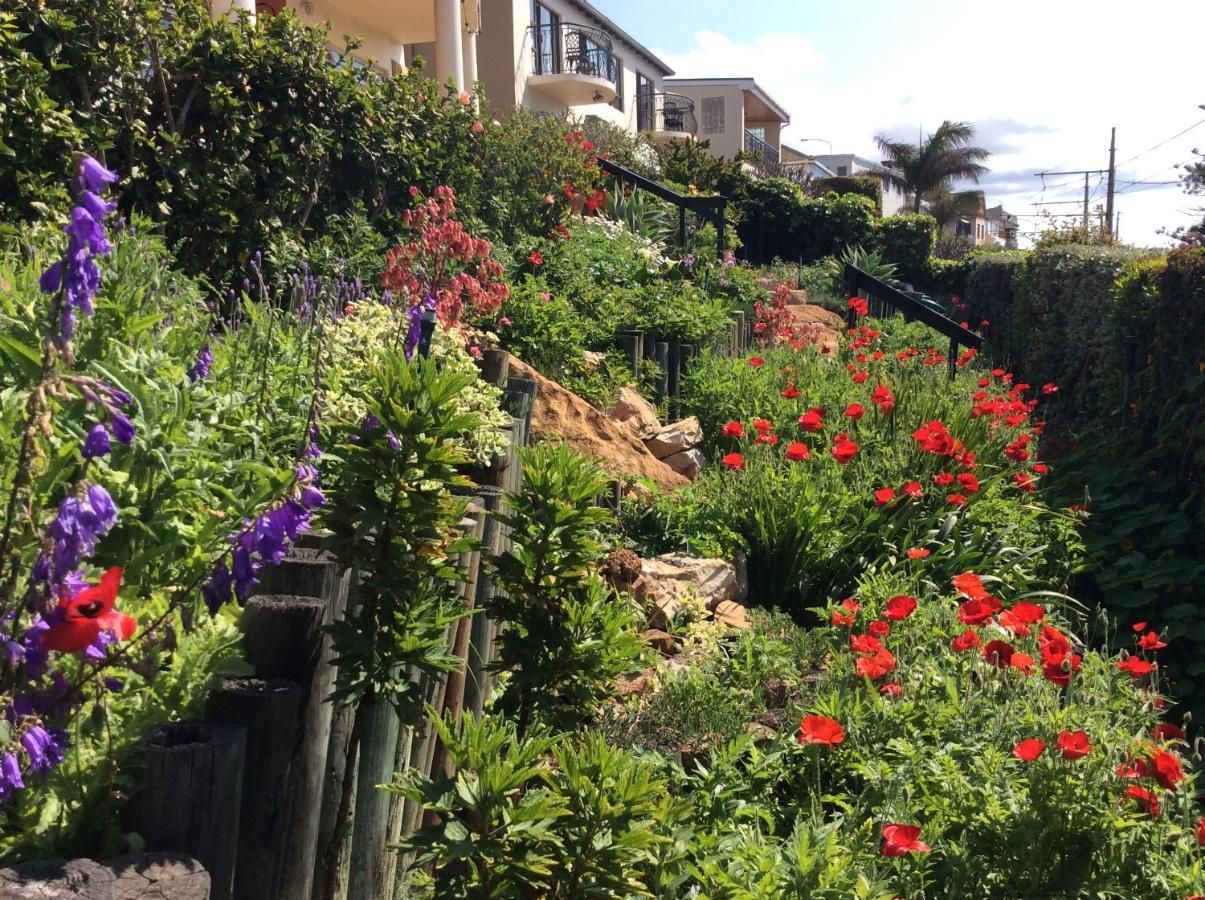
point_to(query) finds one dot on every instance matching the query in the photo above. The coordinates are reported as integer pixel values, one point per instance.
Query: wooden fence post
(268, 710)
(193, 794)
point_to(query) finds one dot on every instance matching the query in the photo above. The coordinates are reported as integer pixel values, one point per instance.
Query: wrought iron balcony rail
(565, 48)
(667, 112)
(754, 144)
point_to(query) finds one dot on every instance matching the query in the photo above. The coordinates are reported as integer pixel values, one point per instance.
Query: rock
(762, 734)
(688, 463)
(665, 610)
(138, 876)
(661, 640)
(732, 614)
(676, 574)
(817, 325)
(740, 562)
(776, 693)
(675, 437)
(640, 683)
(561, 415)
(634, 411)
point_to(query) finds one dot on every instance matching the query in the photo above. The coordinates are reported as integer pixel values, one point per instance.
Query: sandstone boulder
(688, 463)
(675, 575)
(637, 413)
(731, 614)
(675, 438)
(561, 415)
(662, 641)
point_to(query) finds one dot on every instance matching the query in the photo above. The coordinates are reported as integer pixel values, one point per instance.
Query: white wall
(731, 140)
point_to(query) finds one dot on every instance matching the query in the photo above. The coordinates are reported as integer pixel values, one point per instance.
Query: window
(713, 115)
(645, 101)
(842, 171)
(617, 67)
(546, 39)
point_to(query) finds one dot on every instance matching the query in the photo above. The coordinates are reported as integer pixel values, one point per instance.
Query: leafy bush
(907, 240)
(868, 187)
(986, 294)
(828, 225)
(770, 210)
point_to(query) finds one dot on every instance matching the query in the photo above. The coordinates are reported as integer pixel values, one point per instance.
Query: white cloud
(1042, 100)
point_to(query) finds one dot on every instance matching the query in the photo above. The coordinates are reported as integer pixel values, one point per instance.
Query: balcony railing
(665, 112)
(564, 48)
(754, 144)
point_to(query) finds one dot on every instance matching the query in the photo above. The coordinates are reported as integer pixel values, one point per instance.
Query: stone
(688, 463)
(676, 575)
(637, 413)
(138, 876)
(732, 614)
(762, 734)
(675, 437)
(559, 414)
(665, 610)
(637, 684)
(662, 641)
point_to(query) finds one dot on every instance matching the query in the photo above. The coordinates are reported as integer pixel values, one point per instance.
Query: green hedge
(907, 240)
(870, 188)
(986, 295)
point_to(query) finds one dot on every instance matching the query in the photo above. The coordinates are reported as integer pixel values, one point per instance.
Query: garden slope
(559, 414)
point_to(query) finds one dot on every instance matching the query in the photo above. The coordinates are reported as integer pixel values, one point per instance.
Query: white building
(734, 114)
(848, 164)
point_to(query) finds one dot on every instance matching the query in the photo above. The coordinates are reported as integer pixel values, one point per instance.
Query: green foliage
(828, 225)
(567, 635)
(867, 186)
(985, 291)
(642, 213)
(770, 210)
(908, 240)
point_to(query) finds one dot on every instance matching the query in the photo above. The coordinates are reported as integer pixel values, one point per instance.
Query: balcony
(666, 117)
(573, 63)
(754, 144)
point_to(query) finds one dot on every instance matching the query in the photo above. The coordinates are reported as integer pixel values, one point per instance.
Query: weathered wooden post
(192, 796)
(661, 358)
(631, 342)
(268, 710)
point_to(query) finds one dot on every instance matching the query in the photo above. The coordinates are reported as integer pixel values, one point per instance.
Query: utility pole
(1112, 179)
(1085, 202)
(1086, 173)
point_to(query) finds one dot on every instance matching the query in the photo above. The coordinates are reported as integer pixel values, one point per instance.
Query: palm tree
(945, 155)
(948, 206)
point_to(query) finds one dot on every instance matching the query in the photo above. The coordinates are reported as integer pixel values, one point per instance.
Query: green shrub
(828, 225)
(868, 187)
(770, 208)
(907, 240)
(987, 295)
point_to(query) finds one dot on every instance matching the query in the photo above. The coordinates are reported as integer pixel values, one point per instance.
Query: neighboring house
(734, 114)
(1002, 227)
(792, 158)
(848, 164)
(557, 56)
(565, 56)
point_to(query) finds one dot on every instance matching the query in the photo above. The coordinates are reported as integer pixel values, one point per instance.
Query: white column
(449, 52)
(470, 59)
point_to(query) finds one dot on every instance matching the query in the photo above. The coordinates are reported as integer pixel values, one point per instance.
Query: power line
(1162, 143)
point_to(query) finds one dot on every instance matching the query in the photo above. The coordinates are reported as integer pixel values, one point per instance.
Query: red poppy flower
(756, 361)
(78, 621)
(900, 840)
(864, 643)
(790, 391)
(734, 429)
(811, 421)
(1024, 482)
(1166, 769)
(1166, 731)
(1136, 667)
(762, 425)
(1022, 662)
(917, 553)
(899, 608)
(1074, 744)
(844, 449)
(965, 641)
(854, 411)
(913, 489)
(1059, 672)
(820, 730)
(876, 666)
(860, 376)
(1150, 641)
(998, 653)
(970, 585)
(883, 496)
(1029, 749)
(734, 461)
(842, 618)
(535, 258)
(1020, 616)
(797, 452)
(968, 482)
(1132, 768)
(879, 627)
(1050, 388)
(978, 611)
(957, 500)
(1138, 626)
(858, 305)
(1148, 800)
(891, 689)
(765, 437)
(1201, 832)
(943, 479)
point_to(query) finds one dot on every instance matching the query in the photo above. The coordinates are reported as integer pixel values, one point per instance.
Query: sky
(1042, 81)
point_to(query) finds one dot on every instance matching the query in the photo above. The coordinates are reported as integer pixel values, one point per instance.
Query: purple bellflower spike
(97, 442)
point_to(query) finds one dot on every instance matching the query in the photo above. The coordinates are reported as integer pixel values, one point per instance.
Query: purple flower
(311, 497)
(200, 369)
(10, 775)
(96, 206)
(116, 685)
(97, 442)
(93, 176)
(45, 751)
(52, 278)
(688, 261)
(72, 536)
(123, 430)
(216, 590)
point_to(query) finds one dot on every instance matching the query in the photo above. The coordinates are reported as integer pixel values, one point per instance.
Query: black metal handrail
(710, 208)
(754, 144)
(666, 112)
(862, 284)
(569, 48)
